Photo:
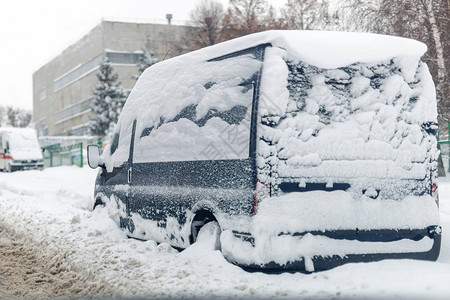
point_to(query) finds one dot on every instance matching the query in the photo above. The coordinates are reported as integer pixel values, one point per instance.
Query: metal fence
(62, 153)
(56, 155)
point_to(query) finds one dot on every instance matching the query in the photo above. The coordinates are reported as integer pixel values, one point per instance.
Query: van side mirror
(93, 156)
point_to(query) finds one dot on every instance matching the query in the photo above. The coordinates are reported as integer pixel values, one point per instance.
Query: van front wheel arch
(201, 218)
(98, 202)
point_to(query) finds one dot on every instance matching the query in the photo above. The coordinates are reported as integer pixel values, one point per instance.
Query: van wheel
(98, 203)
(201, 218)
(209, 235)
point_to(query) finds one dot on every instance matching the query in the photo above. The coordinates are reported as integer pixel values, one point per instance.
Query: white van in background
(19, 149)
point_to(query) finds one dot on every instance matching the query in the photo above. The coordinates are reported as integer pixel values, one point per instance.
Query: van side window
(117, 151)
(214, 115)
(115, 143)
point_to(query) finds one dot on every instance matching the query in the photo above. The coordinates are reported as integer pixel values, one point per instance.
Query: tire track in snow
(27, 272)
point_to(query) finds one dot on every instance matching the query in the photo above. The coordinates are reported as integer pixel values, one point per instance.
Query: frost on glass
(205, 113)
(365, 126)
(116, 153)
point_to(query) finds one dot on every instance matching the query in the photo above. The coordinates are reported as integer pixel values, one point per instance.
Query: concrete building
(63, 88)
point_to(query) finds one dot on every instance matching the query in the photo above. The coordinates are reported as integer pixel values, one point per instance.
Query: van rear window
(361, 126)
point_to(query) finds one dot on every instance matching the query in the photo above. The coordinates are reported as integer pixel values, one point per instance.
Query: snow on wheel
(209, 235)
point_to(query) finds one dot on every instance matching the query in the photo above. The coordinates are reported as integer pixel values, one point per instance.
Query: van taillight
(261, 192)
(435, 192)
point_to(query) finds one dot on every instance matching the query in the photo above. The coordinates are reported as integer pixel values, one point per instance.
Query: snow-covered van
(19, 149)
(296, 149)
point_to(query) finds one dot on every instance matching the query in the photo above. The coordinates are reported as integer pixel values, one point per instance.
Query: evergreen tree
(2, 116)
(109, 98)
(15, 117)
(12, 114)
(25, 118)
(146, 60)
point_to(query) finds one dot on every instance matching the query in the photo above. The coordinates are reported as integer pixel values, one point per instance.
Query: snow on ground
(50, 210)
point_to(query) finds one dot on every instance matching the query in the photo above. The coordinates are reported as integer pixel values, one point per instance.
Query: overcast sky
(34, 31)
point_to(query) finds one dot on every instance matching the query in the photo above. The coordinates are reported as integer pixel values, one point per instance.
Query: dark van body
(223, 139)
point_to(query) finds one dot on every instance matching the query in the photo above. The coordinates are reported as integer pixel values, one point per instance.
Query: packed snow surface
(51, 210)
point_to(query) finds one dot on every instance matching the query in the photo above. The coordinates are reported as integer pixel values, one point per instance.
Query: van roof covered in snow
(15, 129)
(324, 49)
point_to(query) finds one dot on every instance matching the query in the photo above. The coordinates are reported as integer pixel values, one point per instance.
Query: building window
(79, 130)
(73, 111)
(43, 129)
(123, 58)
(76, 73)
(43, 94)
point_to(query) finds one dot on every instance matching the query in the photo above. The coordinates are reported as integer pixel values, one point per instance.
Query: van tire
(209, 235)
(201, 218)
(97, 203)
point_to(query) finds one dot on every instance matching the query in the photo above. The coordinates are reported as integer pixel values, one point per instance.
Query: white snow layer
(337, 210)
(51, 210)
(324, 49)
(285, 249)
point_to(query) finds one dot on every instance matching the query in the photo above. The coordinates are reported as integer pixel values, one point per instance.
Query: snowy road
(28, 272)
(52, 245)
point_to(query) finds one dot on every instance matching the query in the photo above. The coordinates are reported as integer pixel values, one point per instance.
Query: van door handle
(129, 175)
